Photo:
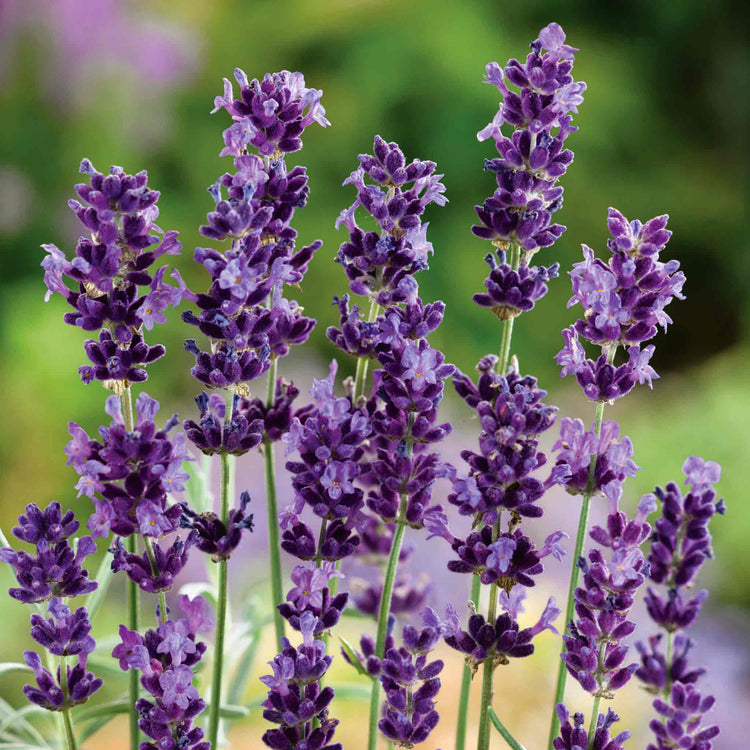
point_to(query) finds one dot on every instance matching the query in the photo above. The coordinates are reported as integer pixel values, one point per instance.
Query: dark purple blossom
(295, 696)
(573, 735)
(271, 114)
(534, 157)
(135, 471)
(682, 724)
(165, 658)
(502, 640)
(212, 535)
(115, 289)
(56, 570)
(411, 684)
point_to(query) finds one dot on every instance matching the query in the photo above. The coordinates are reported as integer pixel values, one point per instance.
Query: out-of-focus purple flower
(682, 725)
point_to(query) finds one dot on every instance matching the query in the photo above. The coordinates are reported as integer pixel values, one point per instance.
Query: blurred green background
(663, 129)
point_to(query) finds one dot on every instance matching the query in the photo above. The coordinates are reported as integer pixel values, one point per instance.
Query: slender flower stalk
(623, 302)
(70, 736)
(227, 466)
(272, 512)
(517, 219)
(132, 604)
(384, 611)
(504, 733)
(575, 571)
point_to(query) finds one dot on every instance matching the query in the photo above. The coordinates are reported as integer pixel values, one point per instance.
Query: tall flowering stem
(575, 571)
(221, 593)
(245, 315)
(681, 544)
(131, 595)
(624, 301)
(517, 219)
(272, 512)
(384, 611)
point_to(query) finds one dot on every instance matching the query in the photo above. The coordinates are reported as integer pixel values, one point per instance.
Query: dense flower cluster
(623, 302)
(503, 640)
(244, 312)
(594, 646)
(165, 657)
(681, 543)
(134, 470)
(295, 696)
(573, 735)
(117, 292)
(612, 456)
(53, 574)
(530, 163)
(56, 570)
(381, 264)
(411, 684)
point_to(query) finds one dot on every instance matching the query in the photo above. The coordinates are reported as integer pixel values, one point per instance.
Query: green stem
(583, 520)
(504, 733)
(383, 612)
(476, 585)
(70, 736)
(131, 595)
(463, 702)
(363, 363)
(163, 611)
(487, 682)
(221, 602)
(272, 511)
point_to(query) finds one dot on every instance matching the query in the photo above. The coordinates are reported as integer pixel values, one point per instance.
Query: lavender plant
(362, 457)
(244, 314)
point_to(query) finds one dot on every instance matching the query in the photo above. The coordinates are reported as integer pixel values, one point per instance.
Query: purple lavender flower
(110, 270)
(594, 648)
(56, 569)
(134, 471)
(214, 537)
(623, 302)
(577, 447)
(681, 543)
(518, 216)
(271, 114)
(573, 735)
(312, 593)
(502, 640)
(411, 683)
(382, 263)
(683, 713)
(295, 696)
(165, 657)
(48, 693)
(159, 575)
(511, 292)
(244, 313)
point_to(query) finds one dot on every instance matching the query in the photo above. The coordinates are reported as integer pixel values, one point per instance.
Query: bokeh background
(663, 129)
